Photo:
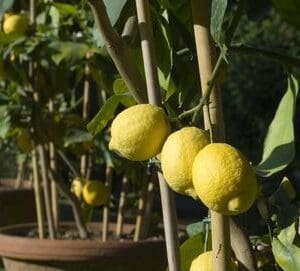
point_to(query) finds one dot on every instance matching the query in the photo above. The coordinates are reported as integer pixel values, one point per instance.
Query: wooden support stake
(213, 120)
(153, 90)
(106, 210)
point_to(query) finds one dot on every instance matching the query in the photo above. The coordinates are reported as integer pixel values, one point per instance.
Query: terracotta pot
(16, 205)
(30, 254)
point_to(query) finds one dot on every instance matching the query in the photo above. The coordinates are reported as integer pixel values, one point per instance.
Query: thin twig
(119, 51)
(82, 230)
(266, 54)
(68, 163)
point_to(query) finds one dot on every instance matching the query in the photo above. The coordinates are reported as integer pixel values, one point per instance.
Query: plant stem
(38, 195)
(205, 55)
(68, 163)
(153, 90)
(263, 53)
(119, 52)
(122, 202)
(83, 233)
(106, 210)
(46, 190)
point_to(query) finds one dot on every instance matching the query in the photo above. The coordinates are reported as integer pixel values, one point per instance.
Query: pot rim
(27, 248)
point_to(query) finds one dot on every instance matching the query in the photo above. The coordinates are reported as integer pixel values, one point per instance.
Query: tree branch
(119, 52)
(263, 53)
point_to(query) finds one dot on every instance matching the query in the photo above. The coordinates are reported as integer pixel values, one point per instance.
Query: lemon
(95, 193)
(77, 186)
(224, 179)
(15, 24)
(139, 132)
(204, 262)
(177, 157)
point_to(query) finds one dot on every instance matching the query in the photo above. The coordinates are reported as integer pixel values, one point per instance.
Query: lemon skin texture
(204, 262)
(15, 24)
(177, 157)
(224, 179)
(139, 132)
(95, 193)
(77, 186)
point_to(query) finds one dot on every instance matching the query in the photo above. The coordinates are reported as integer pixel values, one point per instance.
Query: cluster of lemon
(93, 192)
(216, 173)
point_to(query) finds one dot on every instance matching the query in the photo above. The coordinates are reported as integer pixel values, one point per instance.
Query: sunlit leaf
(66, 9)
(120, 87)
(77, 136)
(279, 145)
(217, 16)
(106, 113)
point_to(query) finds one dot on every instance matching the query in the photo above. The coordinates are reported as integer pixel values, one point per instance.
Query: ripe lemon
(15, 24)
(177, 157)
(204, 262)
(77, 186)
(139, 132)
(95, 193)
(224, 179)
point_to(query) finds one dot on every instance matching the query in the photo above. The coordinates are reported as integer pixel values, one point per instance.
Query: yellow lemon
(177, 157)
(224, 179)
(204, 262)
(15, 24)
(139, 132)
(77, 186)
(95, 193)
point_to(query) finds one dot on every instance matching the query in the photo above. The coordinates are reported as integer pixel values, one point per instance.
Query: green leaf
(279, 145)
(77, 136)
(66, 9)
(287, 257)
(287, 235)
(114, 9)
(218, 10)
(199, 227)
(5, 5)
(70, 51)
(106, 113)
(191, 249)
(120, 87)
(5, 124)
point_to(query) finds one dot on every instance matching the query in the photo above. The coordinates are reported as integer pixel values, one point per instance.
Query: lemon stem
(154, 97)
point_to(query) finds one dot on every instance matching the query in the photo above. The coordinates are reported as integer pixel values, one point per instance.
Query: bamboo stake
(148, 208)
(40, 212)
(53, 166)
(213, 120)
(140, 211)
(106, 210)
(38, 195)
(21, 173)
(122, 202)
(46, 189)
(85, 115)
(153, 89)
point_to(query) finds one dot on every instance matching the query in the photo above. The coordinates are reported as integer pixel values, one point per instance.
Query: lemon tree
(178, 155)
